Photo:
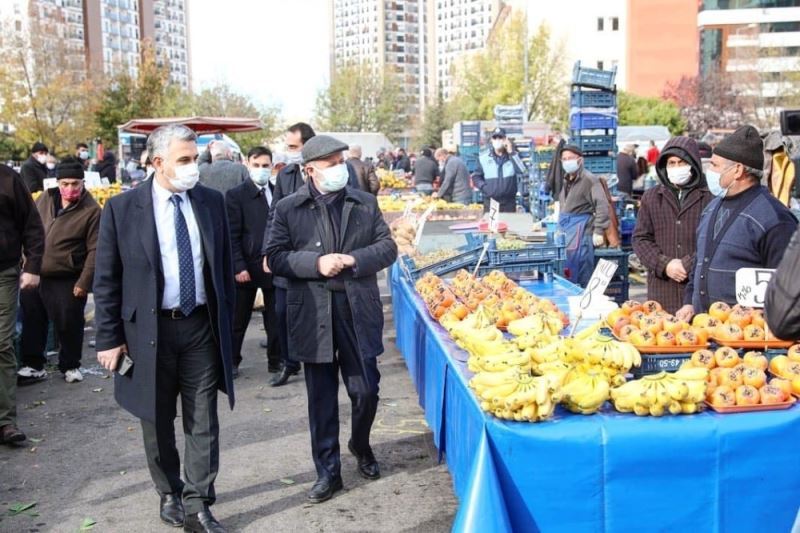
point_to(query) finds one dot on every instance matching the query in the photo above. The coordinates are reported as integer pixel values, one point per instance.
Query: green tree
(644, 111)
(360, 98)
(435, 120)
(496, 75)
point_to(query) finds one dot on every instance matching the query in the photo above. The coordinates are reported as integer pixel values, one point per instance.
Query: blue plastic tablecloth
(606, 472)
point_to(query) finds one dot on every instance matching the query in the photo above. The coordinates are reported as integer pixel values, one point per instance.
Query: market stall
(609, 471)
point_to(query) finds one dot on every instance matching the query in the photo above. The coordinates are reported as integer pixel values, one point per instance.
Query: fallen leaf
(287, 481)
(390, 404)
(17, 508)
(33, 450)
(87, 524)
(130, 428)
(35, 440)
(123, 472)
(98, 389)
(267, 410)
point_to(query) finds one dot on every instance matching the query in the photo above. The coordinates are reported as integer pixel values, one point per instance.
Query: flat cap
(70, 168)
(320, 147)
(574, 149)
(498, 132)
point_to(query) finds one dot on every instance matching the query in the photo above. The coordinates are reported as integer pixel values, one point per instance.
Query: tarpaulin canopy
(200, 125)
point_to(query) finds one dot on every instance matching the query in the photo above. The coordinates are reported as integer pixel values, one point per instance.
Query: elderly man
(496, 175)
(743, 227)
(223, 173)
(583, 214)
(330, 241)
(164, 294)
(455, 178)
(71, 219)
(34, 169)
(365, 172)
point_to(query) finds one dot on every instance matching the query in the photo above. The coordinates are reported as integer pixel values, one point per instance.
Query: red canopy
(200, 125)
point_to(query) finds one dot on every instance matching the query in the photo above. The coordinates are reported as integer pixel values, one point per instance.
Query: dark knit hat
(39, 147)
(572, 148)
(70, 168)
(743, 146)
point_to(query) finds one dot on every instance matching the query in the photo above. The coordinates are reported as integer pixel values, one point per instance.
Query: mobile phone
(125, 364)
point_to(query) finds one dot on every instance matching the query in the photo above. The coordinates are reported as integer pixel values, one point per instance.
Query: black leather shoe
(273, 369)
(11, 434)
(283, 376)
(324, 488)
(172, 510)
(367, 465)
(203, 522)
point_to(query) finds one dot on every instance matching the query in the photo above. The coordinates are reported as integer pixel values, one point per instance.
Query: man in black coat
(289, 180)
(330, 241)
(163, 292)
(34, 169)
(248, 207)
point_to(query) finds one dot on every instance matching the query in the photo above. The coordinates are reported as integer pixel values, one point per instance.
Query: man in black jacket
(20, 229)
(34, 170)
(248, 207)
(289, 180)
(330, 241)
(783, 294)
(425, 172)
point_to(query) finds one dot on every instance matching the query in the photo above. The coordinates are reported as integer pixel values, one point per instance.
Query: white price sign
(751, 286)
(421, 224)
(494, 215)
(601, 277)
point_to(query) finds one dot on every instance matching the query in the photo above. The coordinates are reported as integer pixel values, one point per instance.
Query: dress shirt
(267, 193)
(164, 212)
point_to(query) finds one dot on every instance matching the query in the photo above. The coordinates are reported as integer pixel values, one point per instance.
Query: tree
(642, 111)
(361, 98)
(496, 75)
(707, 102)
(435, 120)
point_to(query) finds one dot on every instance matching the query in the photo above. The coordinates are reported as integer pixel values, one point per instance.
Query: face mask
(714, 185)
(260, 176)
(273, 178)
(186, 177)
(51, 166)
(83, 154)
(570, 166)
(294, 157)
(679, 175)
(498, 144)
(41, 159)
(333, 179)
(71, 195)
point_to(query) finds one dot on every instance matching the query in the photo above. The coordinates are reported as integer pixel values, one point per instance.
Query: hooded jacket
(667, 222)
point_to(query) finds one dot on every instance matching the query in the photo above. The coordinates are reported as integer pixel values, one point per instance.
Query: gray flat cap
(320, 147)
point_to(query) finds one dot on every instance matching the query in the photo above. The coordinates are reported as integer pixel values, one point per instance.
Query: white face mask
(51, 166)
(83, 154)
(41, 159)
(186, 177)
(498, 144)
(679, 175)
(294, 157)
(570, 166)
(332, 179)
(273, 178)
(260, 176)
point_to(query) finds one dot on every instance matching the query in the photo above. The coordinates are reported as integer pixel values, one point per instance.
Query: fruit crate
(618, 291)
(466, 260)
(543, 268)
(581, 98)
(655, 363)
(590, 77)
(530, 254)
(620, 257)
(596, 143)
(600, 164)
(593, 121)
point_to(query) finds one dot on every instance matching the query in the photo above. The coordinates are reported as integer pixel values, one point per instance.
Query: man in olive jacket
(330, 241)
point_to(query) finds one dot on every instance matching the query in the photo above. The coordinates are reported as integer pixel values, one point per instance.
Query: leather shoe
(283, 376)
(367, 465)
(171, 510)
(203, 522)
(324, 488)
(273, 369)
(10, 434)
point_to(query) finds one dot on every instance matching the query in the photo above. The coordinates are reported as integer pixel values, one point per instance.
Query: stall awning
(200, 125)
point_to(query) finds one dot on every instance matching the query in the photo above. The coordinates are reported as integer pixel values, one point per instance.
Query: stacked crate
(593, 118)
(512, 119)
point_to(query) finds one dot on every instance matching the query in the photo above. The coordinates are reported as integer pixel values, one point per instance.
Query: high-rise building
(106, 35)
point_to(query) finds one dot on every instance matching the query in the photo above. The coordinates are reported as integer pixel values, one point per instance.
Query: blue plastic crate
(590, 77)
(530, 254)
(546, 268)
(618, 291)
(466, 260)
(592, 121)
(593, 99)
(600, 165)
(655, 363)
(595, 143)
(620, 257)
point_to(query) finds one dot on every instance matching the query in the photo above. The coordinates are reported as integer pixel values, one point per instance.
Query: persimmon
(747, 395)
(701, 334)
(793, 353)
(756, 360)
(723, 396)
(651, 306)
(612, 317)
(666, 338)
(687, 338)
(700, 320)
(704, 358)
(783, 384)
(715, 376)
(771, 394)
(673, 325)
(642, 338)
(757, 318)
(754, 377)
(792, 370)
(752, 332)
(740, 317)
(626, 331)
(619, 324)
(630, 306)
(637, 317)
(729, 332)
(796, 386)
(778, 365)
(720, 310)
(726, 357)
(731, 377)
(651, 324)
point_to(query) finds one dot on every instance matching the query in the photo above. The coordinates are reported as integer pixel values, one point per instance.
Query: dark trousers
(283, 328)
(506, 205)
(53, 301)
(245, 296)
(361, 378)
(9, 286)
(188, 365)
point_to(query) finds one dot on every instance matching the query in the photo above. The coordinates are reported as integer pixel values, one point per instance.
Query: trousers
(283, 328)
(9, 288)
(245, 296)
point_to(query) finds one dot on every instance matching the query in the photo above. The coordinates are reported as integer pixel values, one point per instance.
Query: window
(599, 23)
(599, 65)
(615, 24)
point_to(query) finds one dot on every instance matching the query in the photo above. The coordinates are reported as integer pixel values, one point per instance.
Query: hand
(435, 194)
(330, 265)
(676, 271)
(266, 266)
(77, 292)
(243, 277)
(347, 260)
(28, 281)
(598, 240)
(685, 313)
(109, 359)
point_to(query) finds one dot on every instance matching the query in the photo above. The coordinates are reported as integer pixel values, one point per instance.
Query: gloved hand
(598, 240)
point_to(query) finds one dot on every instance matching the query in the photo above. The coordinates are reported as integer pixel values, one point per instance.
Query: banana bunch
(500, 362)
(513, 395)
(611, 353)
(585, 392)
(536, 324)
(682, 392)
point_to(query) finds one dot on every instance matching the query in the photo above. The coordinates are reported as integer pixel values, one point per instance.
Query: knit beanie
(743, 146)
(70, 168)
(39, 147)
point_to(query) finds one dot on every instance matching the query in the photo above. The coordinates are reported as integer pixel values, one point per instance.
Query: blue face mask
(713, 179)
(260, 176)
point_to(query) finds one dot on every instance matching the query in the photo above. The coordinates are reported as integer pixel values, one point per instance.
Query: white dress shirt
(267, 194)
(164, 211)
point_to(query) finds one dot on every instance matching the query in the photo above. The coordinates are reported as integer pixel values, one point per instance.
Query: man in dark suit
(329, 241)
(248, 206)
(163, 292)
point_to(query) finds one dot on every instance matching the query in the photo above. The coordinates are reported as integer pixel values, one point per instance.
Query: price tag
(104, 182)
(598, 283)
(751, 286)
(50, 183)
(494, 215)
(92, 180)
(421, 224)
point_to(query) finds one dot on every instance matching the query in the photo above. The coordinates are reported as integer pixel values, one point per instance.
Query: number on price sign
(751, 286)
(494, 215)
(600, 279)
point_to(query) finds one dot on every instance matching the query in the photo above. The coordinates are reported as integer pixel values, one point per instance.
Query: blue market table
(606, 472)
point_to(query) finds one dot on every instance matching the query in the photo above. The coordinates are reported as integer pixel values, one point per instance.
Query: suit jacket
(247, 215)
(129, 284)
(223, 175)
(367, 178)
